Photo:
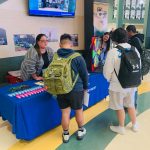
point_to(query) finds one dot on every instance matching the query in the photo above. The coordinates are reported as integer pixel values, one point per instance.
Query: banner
(100, 18)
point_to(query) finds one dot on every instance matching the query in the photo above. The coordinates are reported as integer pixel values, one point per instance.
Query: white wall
(14, 19)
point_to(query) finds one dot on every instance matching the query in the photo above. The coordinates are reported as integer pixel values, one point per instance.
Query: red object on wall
(11, 79)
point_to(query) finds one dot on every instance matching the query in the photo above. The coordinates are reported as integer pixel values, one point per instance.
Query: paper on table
(86, 99)
(40, 83)
(16, 73)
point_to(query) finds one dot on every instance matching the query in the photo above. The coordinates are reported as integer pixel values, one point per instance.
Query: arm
(31, 65)
(109, 66)
(82, 69)
(31, 69)
(34, 76)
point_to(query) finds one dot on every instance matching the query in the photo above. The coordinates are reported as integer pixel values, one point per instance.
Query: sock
(66, 132)
(81, 128)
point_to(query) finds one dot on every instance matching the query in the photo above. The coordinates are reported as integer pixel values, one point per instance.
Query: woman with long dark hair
(102, 51)
(105, 46)
(36, 59)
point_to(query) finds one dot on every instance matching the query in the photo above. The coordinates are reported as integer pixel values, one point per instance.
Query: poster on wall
(3, 38)
(2, 1)
(138, 14)
(133, 4)
(23, 41)
(132, 14)
(127, 14)
(51, 33)
(100, 18)
(75, 39)
(115, 4)
(127, 4)
(138, 4)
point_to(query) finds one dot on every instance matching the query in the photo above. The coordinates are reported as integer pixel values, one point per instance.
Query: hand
(39, 78)
(86, 91)
(36, 77)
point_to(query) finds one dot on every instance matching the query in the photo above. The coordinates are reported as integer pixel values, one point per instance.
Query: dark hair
(107, 42)
(65, 37)
(36, 46)
(131, 28)
(120, 36)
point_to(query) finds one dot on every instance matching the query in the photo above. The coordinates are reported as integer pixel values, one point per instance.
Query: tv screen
(54, 8)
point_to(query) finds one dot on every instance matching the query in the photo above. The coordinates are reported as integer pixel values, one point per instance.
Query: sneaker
(135, 127)
(118, 129)
(81, 133)
(65, 138)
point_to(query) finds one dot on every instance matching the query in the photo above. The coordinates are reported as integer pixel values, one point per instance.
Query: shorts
(120, 100)
(74, 99)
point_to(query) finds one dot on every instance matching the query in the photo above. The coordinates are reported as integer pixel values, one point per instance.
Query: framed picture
(127, 4)
(138, 14)
(23, 41)
(127, 14)
(100, 18)
(132, 14)
(133, 4)
(3, 38)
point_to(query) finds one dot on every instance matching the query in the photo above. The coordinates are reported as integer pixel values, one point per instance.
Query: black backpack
(130, 70)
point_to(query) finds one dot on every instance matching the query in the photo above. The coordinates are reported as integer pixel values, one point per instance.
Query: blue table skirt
(36, 114)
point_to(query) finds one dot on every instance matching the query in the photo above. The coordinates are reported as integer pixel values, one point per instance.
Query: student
(105, 46)
(101, 49)
(73, 99)
(119, 97)
(36, 59)
(135, 39)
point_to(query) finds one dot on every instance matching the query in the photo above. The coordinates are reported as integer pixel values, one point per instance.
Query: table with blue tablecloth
(34, 114)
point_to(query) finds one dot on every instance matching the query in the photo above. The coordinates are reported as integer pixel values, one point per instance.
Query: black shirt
(137, 41)
(45, 59)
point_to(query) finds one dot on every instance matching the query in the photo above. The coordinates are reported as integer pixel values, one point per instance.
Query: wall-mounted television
(53, 8)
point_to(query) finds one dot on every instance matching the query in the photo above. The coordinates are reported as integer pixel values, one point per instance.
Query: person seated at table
(36, 59)
(73, 99)
(102, 51)
(105, 46)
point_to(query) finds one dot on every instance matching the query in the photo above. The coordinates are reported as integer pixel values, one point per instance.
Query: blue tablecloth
(33, 115)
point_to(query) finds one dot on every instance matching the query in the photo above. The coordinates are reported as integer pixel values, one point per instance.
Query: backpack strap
(124, 49)
(74, 55)
(70, 58)
(120, 48)
(140, 42)
(55, 56)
